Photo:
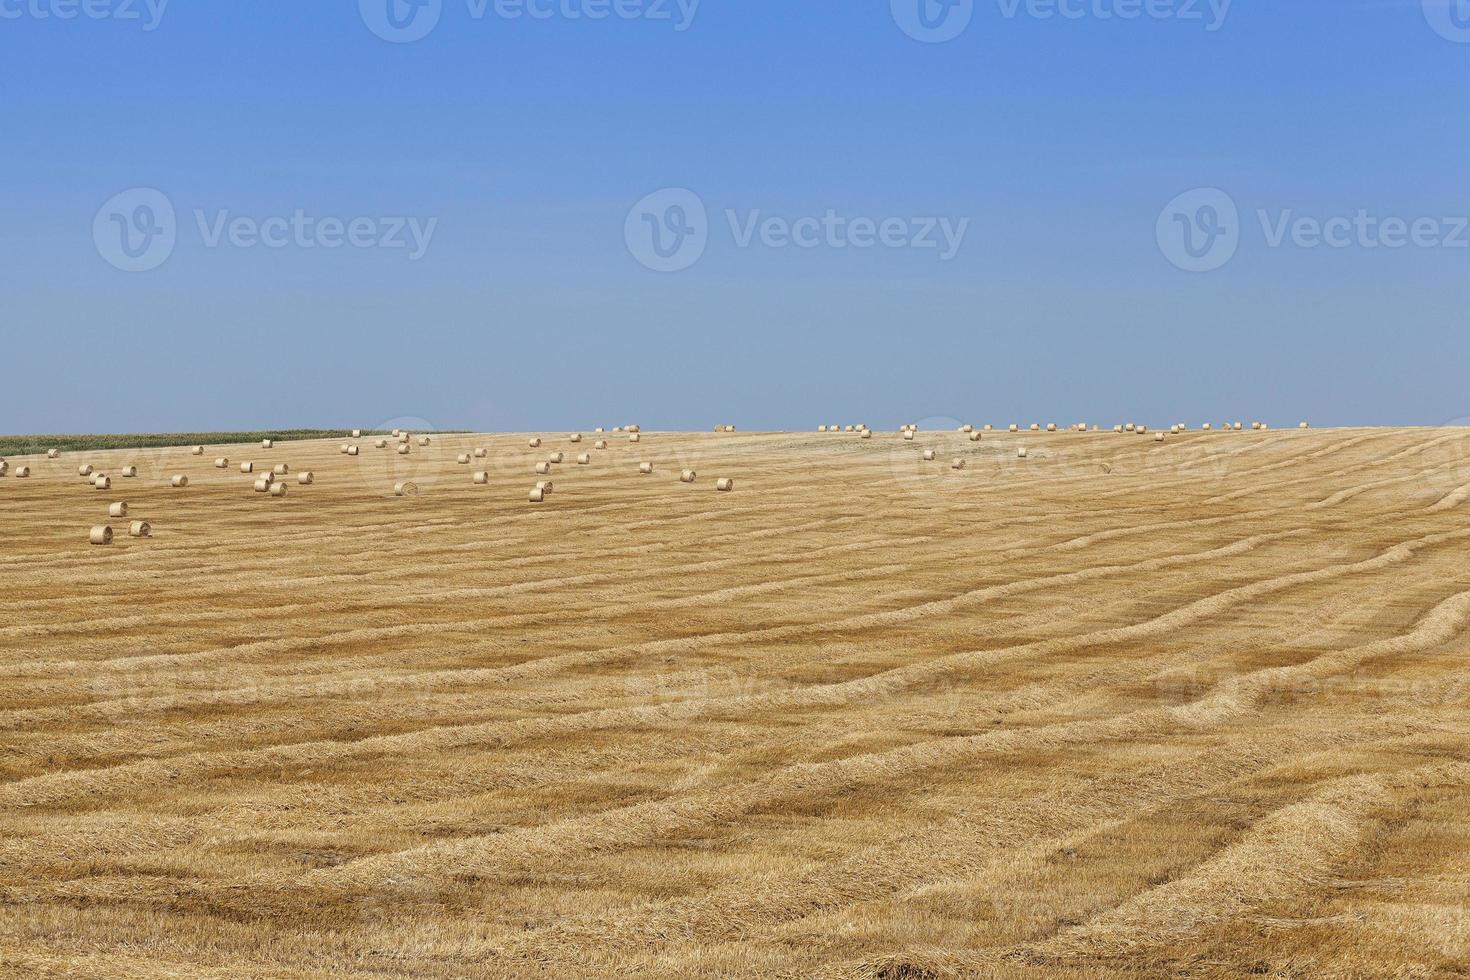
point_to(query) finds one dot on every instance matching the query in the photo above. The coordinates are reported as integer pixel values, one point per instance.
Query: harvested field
(1119, 708)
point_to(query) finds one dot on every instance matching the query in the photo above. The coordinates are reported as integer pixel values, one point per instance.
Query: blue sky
(1066, 149)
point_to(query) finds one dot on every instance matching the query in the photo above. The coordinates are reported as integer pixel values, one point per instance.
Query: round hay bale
(600, 444)
(645, 468)
(1239, 426)
(908, 436)
(405, 488)
(342, 449)
(263, 484)
(404, 450)
(423, 440)
(576, 437)
(535, 443)
(481, 477)
(867, 434)
(357, 433)
(305, 478)
(975, 436)
(280, 469)
(278, 490)
(967, 428)
(556, 457)
(989, 427)
(543, 467)
(1206, 427)
(53, 454)
(1304, 426)
(1158, 437)
(545, 486)
(267, 444)
(463, 459)
(1117, 428)
(1051, 427)
(130, 471)
(221, 462)
(179, 481)
(821, 428)
(102, 482)
(247, 467)
(1021, 453)
(119, 509)
(724, 484)
(84, 470)
(1035, 427)
(480, 453)
(583, 459)
(1013, 427)
(140, 529)
(403, 437)
(537, 495)
(21, 472)
(635, 428)
(687, 476)
(101, 534)
(928, 455)
(197, 451)
(1130, 427)
(635, 437)
(957, 463)
(599, 429)
(381, 444)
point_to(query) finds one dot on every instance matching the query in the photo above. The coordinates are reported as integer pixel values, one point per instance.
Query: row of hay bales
(907, 431)
(543, 488)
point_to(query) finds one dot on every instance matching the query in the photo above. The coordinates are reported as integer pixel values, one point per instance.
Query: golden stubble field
(1121, 708)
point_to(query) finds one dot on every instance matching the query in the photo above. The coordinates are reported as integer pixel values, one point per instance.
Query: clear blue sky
(526, 142)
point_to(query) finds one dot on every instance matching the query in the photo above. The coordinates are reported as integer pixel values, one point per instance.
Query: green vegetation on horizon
(32, 445)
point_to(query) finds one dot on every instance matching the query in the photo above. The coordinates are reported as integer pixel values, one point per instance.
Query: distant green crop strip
(31, 445)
